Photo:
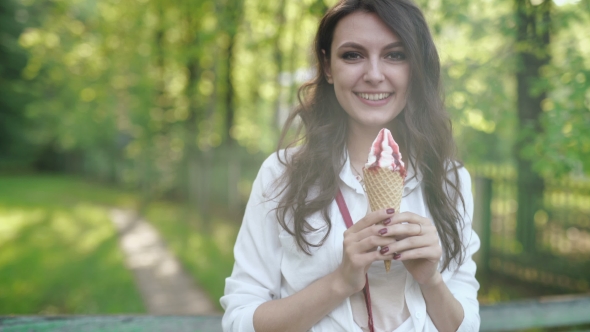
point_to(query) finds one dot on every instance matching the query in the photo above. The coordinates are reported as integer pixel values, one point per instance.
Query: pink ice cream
(385, 153)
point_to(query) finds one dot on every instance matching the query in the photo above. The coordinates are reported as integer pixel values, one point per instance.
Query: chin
(374, 125)
(378, 122)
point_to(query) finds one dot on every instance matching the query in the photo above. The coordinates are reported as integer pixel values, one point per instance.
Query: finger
(410, 218)
(378, 229)
(362, 260)
(402, 231)
(372, 242)
(430, 253)
(413, 242)
(381, 255)
(367, 258)
(372, 218)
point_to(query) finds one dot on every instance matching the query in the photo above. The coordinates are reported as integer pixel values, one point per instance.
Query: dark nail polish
(384, 250)
(397, 256)
(390, 211)
(382, 231)
(386, 221)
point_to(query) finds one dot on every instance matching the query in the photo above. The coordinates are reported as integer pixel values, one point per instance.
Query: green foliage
(138, 87)
(13, 59)
(565, 146)
(59, 252)
(478, 74)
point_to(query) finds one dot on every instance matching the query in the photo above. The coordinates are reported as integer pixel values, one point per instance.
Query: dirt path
(166, 289)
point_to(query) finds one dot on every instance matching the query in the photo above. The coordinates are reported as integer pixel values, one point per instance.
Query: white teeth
(373, 96)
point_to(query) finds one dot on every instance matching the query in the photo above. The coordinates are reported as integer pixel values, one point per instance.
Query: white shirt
(388, 301)
(269, 265)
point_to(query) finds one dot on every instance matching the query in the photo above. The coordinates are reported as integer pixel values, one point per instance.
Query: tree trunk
(532, 45)
(279, 60)
(194, 164)
(234, 162)
(233, 14)
(192, 153)
(151, 189)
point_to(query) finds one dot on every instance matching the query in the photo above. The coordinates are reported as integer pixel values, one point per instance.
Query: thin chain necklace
(359, 177)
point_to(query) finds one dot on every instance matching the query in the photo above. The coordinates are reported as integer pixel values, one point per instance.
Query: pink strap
(348, 221)
(343, 209)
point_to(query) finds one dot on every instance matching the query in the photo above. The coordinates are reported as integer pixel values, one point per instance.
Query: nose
(373, 72)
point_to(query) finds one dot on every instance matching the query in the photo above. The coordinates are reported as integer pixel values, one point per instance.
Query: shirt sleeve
(256, 276)
(462, 282)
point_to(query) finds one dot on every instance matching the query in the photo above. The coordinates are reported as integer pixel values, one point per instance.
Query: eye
(351, 56)
(396, 56)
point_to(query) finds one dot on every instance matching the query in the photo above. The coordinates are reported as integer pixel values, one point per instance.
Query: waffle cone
(384, 188)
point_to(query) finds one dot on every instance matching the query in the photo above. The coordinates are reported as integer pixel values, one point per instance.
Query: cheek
(342, 88)
(341, 97)
(339, 78)
(405, 76)
(346, 75)
(400, 77)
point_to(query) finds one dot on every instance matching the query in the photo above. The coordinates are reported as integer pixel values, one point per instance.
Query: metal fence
(509, 316)
(562, 247)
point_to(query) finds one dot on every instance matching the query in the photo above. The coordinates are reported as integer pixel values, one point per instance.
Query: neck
(359, 143)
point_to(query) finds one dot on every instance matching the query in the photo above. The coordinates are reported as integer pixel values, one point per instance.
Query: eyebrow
(359, 46)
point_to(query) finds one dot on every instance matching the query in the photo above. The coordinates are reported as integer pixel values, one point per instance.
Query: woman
(298, 267)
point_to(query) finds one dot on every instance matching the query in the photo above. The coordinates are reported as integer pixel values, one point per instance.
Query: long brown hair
(423, 122)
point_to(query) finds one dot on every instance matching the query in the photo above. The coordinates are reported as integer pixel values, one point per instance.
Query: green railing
(557, 311)
(111, 323)
(562, 247)
(509, 316)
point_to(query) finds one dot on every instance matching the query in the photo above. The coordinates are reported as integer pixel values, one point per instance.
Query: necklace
(359, 177)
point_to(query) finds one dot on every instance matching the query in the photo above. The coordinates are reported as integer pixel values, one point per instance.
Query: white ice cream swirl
(385, 153)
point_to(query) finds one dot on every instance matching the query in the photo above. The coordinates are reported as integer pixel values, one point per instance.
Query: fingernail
(386, 221)
(382, 231)
(390, 211)
(384, 250)
(397, 256)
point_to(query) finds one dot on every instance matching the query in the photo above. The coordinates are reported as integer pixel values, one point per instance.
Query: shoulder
(457, 169)
(464, 176)
(270, 176)
(458, 181)
(277, 162)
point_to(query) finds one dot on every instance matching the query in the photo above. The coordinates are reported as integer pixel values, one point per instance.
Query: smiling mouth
(374, 96)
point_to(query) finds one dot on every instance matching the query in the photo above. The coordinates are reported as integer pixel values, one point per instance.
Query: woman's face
(369, 70)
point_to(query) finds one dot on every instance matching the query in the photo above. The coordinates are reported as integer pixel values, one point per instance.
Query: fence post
(482, 220)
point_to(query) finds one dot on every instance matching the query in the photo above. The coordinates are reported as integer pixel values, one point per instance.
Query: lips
(373, 96)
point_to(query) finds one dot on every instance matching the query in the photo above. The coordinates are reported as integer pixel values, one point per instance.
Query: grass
(59, 252)
(208, 256)
(496, 288)
(58, 249)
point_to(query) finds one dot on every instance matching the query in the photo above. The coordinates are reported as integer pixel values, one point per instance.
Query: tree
(231, 12)
(13, 59)
(151, 96)
(532, 51)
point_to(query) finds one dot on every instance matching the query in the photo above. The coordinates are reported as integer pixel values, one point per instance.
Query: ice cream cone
(384, 188)
(384, 175)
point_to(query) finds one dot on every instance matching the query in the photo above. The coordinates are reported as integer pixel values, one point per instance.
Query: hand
(359, 249)
(417, 246)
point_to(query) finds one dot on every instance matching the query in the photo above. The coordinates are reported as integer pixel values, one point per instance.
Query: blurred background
(166, 109)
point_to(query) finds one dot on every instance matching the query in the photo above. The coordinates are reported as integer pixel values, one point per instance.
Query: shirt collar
(348, 177)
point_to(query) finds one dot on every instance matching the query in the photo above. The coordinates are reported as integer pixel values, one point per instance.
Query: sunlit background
(163, 111)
